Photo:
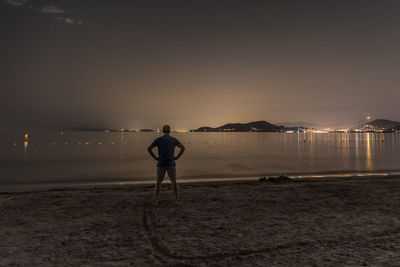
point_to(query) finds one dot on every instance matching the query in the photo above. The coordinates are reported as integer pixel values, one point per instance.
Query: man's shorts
(171, 173)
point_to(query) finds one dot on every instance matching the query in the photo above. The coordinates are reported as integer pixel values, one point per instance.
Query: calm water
(86, 156)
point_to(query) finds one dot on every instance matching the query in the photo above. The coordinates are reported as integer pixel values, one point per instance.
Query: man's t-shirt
(166, 148)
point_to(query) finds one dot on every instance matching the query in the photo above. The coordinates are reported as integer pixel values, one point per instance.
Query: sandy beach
(334, 222)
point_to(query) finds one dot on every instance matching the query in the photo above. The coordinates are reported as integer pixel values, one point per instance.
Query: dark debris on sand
(279, 180)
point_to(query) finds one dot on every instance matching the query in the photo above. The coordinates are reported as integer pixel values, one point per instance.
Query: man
(166, 160)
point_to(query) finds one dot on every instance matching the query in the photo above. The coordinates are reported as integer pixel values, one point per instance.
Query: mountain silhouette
(256, 126)
(301, 124)
(386, 124)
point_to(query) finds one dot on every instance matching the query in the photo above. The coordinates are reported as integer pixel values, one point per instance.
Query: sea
(72, 157)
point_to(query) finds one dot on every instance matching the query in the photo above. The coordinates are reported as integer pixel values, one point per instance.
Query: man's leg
(175, 188)
(157, 192)
(172, 176)
(160, 178)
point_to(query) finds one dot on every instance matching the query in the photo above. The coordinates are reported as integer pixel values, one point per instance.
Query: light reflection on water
(98, 156)
(369, 158)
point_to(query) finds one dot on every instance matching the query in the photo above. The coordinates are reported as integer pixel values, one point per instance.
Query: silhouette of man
(166, 160)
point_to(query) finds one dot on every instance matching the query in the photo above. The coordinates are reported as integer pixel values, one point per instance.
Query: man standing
(166, 160)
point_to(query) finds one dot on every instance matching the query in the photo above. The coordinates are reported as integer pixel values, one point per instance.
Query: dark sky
(136, 64)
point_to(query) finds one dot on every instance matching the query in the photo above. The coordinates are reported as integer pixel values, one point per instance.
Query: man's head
(166, 129)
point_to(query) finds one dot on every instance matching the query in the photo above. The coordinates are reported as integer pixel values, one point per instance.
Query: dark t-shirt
(166, 148)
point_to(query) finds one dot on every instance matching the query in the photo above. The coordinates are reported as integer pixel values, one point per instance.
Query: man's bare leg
(157, 192)
(176, 192)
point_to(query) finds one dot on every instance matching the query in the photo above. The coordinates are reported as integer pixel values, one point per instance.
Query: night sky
(136, 64)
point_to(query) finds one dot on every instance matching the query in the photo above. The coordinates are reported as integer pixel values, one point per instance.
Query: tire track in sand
(165, 252)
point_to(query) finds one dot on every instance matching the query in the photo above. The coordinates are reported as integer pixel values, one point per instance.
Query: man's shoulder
(175, 140)
(167, 139)
(157, 140)
(171, 140)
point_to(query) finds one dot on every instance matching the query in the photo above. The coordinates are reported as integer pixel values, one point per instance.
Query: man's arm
(150, 150)
(182, 149)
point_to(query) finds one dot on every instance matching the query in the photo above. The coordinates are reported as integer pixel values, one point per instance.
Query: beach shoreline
(332, 221)
(112, 182)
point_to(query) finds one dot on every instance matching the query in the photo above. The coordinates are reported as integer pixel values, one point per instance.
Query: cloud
(69, 20)
(15, 2)
(51, 10)
(55, 10)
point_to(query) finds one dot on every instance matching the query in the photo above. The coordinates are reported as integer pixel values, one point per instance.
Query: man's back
(166, 160)
(166, 148)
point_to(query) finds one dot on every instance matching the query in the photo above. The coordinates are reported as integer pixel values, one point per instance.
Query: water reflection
(209, 154)
(345, 148)
(368, 154)
(26, 136)
(121, 154)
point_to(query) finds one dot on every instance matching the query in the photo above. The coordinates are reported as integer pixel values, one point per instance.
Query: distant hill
(302, 124)
(87, 129)
(90, 129)
(256, 126)
(382, 123)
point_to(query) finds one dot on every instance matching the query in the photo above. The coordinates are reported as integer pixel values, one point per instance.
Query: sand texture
(333, 222)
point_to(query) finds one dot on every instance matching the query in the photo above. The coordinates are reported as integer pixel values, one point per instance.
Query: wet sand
(335, 222)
